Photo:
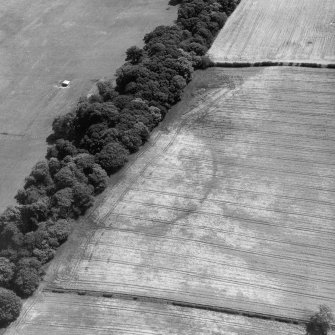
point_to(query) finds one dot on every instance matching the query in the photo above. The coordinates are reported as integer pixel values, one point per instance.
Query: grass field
(82, 315)
(278, 30)
(43, 43)
(232, 206)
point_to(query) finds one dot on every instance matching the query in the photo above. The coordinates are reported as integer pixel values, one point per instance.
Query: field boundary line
(183, 304)
(273, 63)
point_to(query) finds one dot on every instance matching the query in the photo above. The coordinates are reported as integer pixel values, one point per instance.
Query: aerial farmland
(223, 223)
(43, 44)
(229, 208)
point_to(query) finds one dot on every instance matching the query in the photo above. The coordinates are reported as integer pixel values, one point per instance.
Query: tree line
(94, 141)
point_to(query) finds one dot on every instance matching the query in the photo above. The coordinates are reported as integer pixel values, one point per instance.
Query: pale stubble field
(298, 31)
(86, 315)
(230, 206)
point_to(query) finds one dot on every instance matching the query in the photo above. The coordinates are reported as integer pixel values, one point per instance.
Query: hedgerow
(95, 139)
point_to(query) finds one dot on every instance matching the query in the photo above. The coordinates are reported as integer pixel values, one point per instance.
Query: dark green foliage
(30, 195)
(112, 157)
(61, 149)
(27, 276)
(10, 306)
(84, 162)
(228, 6)
(10, 235)
(320, 323)
(174, 2)
(18, 220)
(97, 136)
(62, 202)
(98, 178)
(95, 98)
(131, 140)
(205, 63)
(54, 166)
(37, 212)
(122, 101)
(39, 174)
(88, 114)
(59, 230)
(106, 90)
(63, 126)
(65, 177)
(168, 36)
(134, 55)
(137, 111)
(6, 271)
(197, 48)
(68, 175)
(82, 198)
(36, 189)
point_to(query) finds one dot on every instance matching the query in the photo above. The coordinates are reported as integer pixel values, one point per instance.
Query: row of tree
(94, 140)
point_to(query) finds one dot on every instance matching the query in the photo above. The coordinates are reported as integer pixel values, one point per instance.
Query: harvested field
(231, 206)
(85, 315)
(278, 31)
(43, 43)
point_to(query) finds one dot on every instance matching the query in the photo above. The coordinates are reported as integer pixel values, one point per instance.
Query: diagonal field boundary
(162, 301)
(274, 63)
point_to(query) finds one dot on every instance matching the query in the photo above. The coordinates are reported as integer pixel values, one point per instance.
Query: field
(82, 315)
(43, 43)
(230, 206)
(226, 217)
(278, 31)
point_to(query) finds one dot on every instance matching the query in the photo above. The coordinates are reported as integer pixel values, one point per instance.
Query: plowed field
(278, 30)
(232, 206)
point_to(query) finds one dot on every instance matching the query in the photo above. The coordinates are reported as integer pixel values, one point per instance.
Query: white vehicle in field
(65, 83)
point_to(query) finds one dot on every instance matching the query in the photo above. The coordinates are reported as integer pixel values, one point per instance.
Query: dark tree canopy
(112, 157)
(27, 276)
(320, 323)
(6, 271)
(134, 54)
(95, 139)
(10, 306)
